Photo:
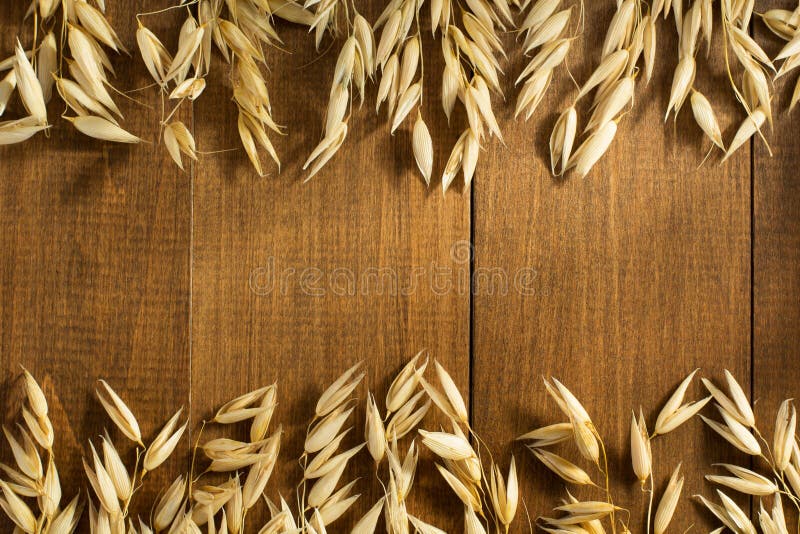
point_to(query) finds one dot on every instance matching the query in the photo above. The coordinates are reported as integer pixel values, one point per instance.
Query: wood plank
(776, 255)
(95, 269)
(641, 274)
(271, 256)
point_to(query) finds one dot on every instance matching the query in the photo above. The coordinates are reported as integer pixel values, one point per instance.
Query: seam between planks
(471, 346)
(190, 318)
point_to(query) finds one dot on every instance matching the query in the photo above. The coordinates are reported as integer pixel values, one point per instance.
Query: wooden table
(115, 264)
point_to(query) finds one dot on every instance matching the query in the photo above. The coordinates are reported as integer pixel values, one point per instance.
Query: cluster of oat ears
(470, 35)
(31, 493)
(72, 58)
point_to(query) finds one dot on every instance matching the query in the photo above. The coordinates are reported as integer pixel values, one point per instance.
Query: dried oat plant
(237, 468)
(72, 39)
(31, 494)
(592, 516)
(239, 30)
(630, 51)
(71, 57)
(354, 66)
(771, 477)
(472, 72)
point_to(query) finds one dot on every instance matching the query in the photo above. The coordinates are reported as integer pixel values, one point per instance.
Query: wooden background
(115, 264)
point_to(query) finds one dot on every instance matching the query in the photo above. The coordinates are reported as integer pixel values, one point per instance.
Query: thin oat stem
(194, 457)
(604, 471)
(172, 113)
(650, 504)
(169, 8)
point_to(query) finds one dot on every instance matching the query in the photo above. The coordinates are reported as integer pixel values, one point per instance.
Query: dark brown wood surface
(95, 270)
(776, 255)
(189, 288)
(641, 275)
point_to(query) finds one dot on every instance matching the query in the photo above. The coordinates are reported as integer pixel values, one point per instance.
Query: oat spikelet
(164, 443)
(179, 140)
(28, 85)
(592, 149)
(169, 504)
(423, 148)
(705, 118)
(447, 446)
(375, 433)
(562, 467)
(669, 502)
(119, 412)
(102, 129)
(16, 509)
(682, 82)
(339, 391)
(504, 493)
(784, 437)
(641, 456)
(744, 481)
(734, 433)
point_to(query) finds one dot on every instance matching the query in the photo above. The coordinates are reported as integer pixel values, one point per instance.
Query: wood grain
(776, 253)
(95, 271)
(640, 275)
(192, 288)
(273, 256)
